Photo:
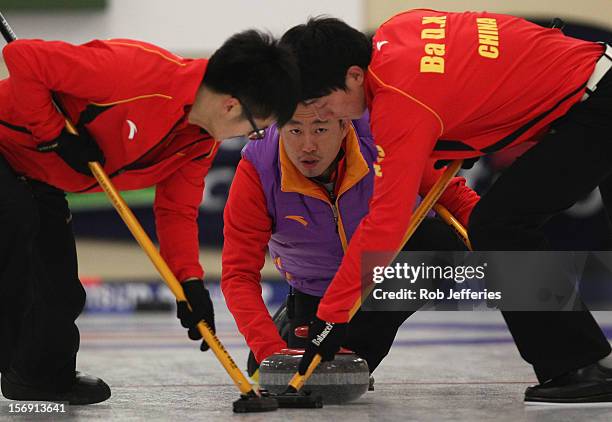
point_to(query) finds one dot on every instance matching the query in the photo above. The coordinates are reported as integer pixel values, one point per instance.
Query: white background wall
(598, 12)
(189, 27)
(197, 27)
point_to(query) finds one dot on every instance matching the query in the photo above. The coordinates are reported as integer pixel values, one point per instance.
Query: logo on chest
(133, 129)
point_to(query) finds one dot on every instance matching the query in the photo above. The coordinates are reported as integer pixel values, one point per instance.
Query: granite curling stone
(344, 379)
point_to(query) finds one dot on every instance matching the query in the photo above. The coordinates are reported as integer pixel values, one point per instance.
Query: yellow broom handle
(167, 275)
(418, 216)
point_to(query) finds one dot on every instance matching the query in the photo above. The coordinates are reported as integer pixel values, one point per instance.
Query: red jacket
(248, 228)
(452, 85)
(133, 98)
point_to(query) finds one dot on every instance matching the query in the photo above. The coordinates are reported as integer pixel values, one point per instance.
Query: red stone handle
(301, 332)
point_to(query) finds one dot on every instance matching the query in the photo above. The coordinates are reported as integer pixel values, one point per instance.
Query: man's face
(343, 104)
(311, 143)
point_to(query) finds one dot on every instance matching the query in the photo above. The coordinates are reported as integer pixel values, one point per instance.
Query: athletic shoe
(591, 384)
(84, 390)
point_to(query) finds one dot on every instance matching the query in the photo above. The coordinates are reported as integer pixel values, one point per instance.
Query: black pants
(549, 178)
(371, 334)
(40, 293)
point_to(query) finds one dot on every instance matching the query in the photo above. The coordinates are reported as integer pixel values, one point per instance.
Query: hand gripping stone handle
(297, 382)
(149, 248)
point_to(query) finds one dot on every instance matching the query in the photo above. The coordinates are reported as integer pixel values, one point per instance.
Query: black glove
(199, 298)
(468, 163)
(252, 364)
(75, 150)
(325, 339)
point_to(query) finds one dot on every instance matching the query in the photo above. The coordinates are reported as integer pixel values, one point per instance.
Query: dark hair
(264, 76)
(325, 48)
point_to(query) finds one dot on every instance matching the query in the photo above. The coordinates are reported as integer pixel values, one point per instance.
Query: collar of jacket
(294, 181)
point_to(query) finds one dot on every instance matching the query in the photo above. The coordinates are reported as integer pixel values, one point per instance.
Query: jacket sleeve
(247, 230)
(458, 198)
(37, 68)
(404, 150)
(176, 206)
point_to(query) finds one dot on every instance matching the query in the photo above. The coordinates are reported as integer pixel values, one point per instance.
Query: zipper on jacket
(335, 211)
(333, 203)
(334, 207)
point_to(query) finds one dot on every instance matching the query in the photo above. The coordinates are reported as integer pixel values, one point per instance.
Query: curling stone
(344, 379)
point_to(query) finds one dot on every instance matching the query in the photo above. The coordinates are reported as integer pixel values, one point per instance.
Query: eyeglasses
(257, 133)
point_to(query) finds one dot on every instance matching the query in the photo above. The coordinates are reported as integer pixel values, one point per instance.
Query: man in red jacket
(152, 118)
(309, 184)
(451, 86)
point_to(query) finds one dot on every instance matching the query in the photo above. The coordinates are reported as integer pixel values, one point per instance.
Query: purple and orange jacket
(271, 205)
